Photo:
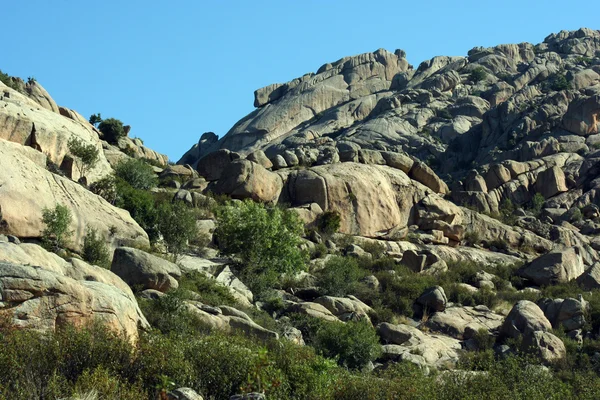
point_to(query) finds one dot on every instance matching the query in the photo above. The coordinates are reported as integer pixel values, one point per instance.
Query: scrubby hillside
(369, 231)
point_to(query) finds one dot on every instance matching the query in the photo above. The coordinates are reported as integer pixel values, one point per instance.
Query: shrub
(559, 82)
(266, 240)
(507, 210)
(472, 238)
(87, 154)
(95, 250)
(177, 225)
(537, 202)
(207, 289)
(57, 220)
(443, 113)
(106, 188)
(141, 206)
(354, 344)
(329, 222)
(112, 129)
(8, 81)
(137, 174)
(95, 119)
(340, 276)
(477, 74)
(399, 292)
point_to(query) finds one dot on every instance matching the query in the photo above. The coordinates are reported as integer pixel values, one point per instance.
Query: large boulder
(243, 179)
(420, 172)
(551, 182)
(464, 322)
(26, 122)
(212, 165)
(433, 299)
(545, 345)
(39, 290)
(345, 308)
(137, 267)
(229, 323)
(555, 267)
(371, 199)
(525, 318)
(406, 343)
(26, 188)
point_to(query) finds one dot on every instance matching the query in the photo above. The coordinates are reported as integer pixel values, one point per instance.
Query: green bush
(177, 225)
(353, 344)
(207, 289)
(329, 222)
(340, 276)
(106, 188)
(95, 119)
(559, 82)
(141, 206)
(443, 113)
(400, 290)
(537, 202)
(8, 81)
(477, 74)
(137, 174)
(57, 220)
(266, 240)
(112, 129)
(87, 154)
(95, 250)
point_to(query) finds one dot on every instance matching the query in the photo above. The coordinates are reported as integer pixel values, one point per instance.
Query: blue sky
(175, 69)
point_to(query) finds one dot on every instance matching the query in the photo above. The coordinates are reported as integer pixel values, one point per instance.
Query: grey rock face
(139, 268)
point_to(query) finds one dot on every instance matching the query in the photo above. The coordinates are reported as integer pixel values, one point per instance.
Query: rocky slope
(465, 189)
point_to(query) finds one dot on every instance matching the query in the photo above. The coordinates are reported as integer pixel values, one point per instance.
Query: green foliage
(559, 82)
(340, 276)
(106, 188)
(207, 290)
(8, 81)
(141, 206)
(401, 289)
(477, 74)
(329, 222)
(177, 225)
(354, 344)
(507, 210)
(537, 202)
(266, 240)
(87, 154)
(472, 238)
(57, 220)
(443, 113)
(136, 173)
(95, 119)
(95, 250)
(112, 129)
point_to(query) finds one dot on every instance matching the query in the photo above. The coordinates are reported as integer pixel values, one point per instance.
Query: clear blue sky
(175, 69)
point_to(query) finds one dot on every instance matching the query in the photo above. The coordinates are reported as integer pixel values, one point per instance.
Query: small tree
(95, 119)
(354, 344)
(136, 173)
(537, 202)
(266, 240)
(177, 225)
(477, 74)
(95, 250)
(112, 129)
(87, 155)
(57, 221)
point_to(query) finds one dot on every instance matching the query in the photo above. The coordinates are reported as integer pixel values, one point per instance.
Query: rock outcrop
(26, 188)
(41, 291)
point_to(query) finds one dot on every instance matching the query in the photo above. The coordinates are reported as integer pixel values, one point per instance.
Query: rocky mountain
(436, 223)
